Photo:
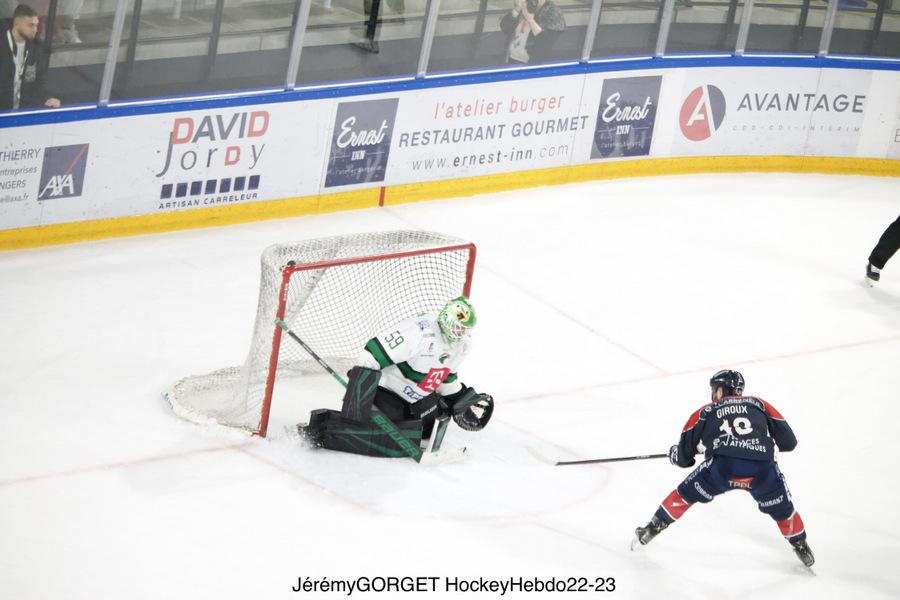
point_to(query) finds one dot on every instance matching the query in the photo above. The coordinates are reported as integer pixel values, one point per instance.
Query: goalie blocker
(352, 430)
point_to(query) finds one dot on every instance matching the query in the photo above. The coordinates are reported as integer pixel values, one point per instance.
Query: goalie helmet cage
(335, 293)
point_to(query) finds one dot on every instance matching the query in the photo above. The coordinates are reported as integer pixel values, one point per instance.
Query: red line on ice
(119, 465)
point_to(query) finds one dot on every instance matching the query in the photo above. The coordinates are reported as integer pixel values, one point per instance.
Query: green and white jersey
(415, 359)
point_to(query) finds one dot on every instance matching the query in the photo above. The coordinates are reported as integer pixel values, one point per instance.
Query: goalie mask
(456, 319)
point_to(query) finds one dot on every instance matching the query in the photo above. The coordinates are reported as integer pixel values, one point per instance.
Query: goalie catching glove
(469, 409)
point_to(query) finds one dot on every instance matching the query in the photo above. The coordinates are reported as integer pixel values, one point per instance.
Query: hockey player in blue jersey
(739, 434)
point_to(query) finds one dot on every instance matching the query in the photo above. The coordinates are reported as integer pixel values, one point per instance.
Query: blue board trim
(436, 80)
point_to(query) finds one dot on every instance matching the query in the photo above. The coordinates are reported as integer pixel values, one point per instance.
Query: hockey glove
(458, 402)
(476, 416)
(676, 459)
(431, 406)
(673, 455)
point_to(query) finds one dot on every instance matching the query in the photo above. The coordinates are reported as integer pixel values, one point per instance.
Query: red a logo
(702, 112)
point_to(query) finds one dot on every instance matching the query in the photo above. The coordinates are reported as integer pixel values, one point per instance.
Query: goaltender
(408, 374)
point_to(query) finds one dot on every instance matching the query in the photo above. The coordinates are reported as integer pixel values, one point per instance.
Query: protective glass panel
(253, 44)
(65, 53)
(488, 33)
(870, 28)
(786, 27)
(164, 48)
(181, 48)
(707, 27)
(350, 40)
(627, 28)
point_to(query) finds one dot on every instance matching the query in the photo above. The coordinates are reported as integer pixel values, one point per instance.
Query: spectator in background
(67, 13)
(531, 28)
(21, 82)
(71, 12)
(371, 9)
(882, 252)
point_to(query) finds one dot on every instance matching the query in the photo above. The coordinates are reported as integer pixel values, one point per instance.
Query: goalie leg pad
(362, 384)
(331, 430)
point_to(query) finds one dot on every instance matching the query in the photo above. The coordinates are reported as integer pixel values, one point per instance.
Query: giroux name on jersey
(731, 410)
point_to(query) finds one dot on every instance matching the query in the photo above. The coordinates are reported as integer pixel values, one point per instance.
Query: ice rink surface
(603, 310)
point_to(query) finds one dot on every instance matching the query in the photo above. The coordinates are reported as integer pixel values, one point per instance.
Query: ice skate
(643, 535)
(873, 274)
(804, 553)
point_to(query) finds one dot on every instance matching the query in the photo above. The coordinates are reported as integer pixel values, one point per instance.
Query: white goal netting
(335, 293)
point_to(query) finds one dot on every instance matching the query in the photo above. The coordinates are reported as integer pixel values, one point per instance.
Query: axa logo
(702, 112)
(62, 175)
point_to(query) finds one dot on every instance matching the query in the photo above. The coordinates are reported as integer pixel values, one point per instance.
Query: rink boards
(145, 167)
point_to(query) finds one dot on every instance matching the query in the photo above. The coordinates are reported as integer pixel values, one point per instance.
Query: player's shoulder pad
(424, 323)
(419, 323)
(770, 410)
(697, 416)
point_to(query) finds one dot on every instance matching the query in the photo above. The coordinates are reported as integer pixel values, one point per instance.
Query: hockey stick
(286, 328)
(606, 460)
(378, 417)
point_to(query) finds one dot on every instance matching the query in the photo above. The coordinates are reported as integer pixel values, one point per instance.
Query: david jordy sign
(215, 141)
(361, 142)
(626, 116)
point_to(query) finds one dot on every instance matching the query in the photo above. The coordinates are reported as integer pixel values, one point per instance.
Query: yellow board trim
(47, 235)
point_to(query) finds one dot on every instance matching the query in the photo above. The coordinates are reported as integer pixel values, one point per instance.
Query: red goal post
(335, 293)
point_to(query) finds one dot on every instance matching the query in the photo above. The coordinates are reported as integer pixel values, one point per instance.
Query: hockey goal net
(335, 294)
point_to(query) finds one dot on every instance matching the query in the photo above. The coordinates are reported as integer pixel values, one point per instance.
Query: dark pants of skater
(720, 474)
(887, 245)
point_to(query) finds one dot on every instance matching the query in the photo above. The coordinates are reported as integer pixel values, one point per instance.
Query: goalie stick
(440, 425)
(606, 460)
(378, 417)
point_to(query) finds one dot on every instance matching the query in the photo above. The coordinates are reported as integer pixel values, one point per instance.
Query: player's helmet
(731, 382)
(456, 318)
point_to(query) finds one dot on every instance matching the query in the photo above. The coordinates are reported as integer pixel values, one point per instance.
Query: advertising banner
(156, 163)
(626, 116)
(801, 112)
(361, 142)
(22, 169)
(159, 163)
(213, 158)
(626, 112)
(469, 130)
(62, 173)
(882, 132)
(894, 136)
